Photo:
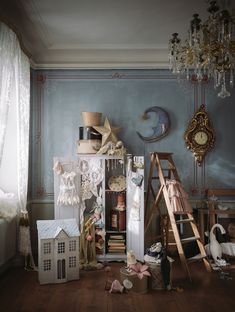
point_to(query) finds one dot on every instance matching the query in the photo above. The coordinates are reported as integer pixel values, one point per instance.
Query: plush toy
(215, 248)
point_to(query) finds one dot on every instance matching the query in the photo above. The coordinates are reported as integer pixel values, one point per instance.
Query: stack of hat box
(89, 139)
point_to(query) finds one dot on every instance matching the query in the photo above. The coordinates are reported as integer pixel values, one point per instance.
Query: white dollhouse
(58, 250)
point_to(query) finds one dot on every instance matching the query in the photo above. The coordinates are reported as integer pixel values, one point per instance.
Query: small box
(139, 285)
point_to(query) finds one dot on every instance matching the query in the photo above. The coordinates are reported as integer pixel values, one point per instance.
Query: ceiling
(100, 33)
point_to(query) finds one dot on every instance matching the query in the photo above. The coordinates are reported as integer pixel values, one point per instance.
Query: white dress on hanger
(68, 194)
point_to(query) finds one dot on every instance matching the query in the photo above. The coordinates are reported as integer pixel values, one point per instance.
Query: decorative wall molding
(40, 191)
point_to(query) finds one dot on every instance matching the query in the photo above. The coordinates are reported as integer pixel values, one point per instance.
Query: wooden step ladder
(166, 169)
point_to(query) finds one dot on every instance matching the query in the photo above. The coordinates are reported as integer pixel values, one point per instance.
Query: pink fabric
(178, 197)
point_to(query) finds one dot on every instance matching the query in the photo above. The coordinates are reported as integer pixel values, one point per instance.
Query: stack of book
(117, 244)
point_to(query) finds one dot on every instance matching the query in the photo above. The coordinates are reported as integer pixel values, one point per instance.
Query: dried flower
(139, 269)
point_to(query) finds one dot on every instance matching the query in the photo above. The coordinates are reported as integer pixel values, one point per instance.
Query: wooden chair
(213, 210)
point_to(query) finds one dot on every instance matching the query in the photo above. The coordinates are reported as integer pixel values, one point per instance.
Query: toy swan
(215, 248)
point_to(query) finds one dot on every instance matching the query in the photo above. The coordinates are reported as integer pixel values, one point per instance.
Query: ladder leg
(156, 159)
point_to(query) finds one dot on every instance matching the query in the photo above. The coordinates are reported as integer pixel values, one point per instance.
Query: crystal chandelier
(209, 51)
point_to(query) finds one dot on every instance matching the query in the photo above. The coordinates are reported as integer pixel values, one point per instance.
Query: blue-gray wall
(59, 96)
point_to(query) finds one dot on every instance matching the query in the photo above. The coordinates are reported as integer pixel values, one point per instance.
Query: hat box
(88, 146)
(139, 285)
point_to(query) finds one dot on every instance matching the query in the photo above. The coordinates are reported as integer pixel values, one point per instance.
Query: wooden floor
(21, 292)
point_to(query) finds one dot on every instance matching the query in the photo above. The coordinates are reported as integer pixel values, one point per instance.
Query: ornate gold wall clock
(199, 135)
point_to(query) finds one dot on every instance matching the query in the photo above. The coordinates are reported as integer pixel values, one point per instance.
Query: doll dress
(68, 194)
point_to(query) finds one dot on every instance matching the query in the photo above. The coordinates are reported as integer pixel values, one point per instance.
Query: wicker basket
(91, 118)
(156, 280)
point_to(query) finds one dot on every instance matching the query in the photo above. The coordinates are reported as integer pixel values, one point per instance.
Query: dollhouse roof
(52, 228)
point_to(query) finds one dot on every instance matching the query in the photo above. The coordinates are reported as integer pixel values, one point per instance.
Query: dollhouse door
(61, 271)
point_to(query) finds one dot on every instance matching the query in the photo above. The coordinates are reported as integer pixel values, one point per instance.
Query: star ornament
(108, 133)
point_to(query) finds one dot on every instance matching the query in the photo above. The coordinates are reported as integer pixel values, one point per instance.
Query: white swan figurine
(215, 248)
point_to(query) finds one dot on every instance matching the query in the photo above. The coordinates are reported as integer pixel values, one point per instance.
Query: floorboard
(21, 292)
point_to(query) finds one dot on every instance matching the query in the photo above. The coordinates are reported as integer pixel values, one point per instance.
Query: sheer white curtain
(15, 91)
(15, 86)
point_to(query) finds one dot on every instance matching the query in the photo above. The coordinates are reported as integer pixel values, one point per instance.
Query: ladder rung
(163, 155)
(189, 239)
(196, 258)
(184, 221)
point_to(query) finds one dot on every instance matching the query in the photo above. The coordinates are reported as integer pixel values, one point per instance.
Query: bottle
(118, 215)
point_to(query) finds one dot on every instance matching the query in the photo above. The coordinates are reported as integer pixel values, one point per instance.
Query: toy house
(58, 251)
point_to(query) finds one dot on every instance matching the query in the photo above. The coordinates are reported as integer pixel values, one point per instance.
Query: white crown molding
(127, 65)
(102, 58)
(108, 47)
(30, 9)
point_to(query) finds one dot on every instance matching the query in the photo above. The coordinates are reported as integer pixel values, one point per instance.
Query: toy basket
(139, 285)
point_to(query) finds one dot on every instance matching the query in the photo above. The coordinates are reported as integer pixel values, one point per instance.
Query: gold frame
(199, 122)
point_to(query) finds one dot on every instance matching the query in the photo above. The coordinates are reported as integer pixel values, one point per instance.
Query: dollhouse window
(72, 245)
(47, 265)
(61, 247)
(72, 262)
(47, 248)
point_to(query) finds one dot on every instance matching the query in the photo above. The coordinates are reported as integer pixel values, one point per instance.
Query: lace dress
(68, 194)
(178, 197)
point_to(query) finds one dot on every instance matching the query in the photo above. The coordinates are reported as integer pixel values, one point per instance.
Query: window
(61, 247)
(72, 245)
(72, 262)
(47, 248)
(47, 265)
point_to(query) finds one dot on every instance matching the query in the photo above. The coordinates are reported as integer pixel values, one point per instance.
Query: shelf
(108, 190)
(116, 253)
(115, 232)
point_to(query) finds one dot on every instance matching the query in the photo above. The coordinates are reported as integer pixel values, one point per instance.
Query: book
(116, 236)
(113, 244)
(116, 241)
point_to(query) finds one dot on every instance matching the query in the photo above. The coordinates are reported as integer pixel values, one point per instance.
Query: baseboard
(16, 261)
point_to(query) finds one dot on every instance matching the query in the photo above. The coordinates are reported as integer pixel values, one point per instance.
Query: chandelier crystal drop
(209, 51)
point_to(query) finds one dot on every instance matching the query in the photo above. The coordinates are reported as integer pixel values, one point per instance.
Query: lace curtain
(15, 86)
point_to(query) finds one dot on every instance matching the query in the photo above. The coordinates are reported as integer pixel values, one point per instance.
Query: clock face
(201, 138)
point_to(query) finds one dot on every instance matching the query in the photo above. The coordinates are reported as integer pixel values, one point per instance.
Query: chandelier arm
(208, 52)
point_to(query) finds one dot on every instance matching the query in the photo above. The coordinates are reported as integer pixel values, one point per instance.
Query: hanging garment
(68, 194)
(178, 197)
(136, 182)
